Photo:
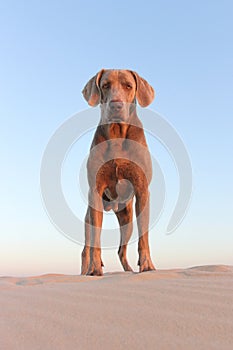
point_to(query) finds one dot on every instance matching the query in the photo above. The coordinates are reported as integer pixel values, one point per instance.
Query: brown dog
(119, 166)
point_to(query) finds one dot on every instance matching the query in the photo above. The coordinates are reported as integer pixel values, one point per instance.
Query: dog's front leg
(96, 218)
(142, 213)
(86, 249)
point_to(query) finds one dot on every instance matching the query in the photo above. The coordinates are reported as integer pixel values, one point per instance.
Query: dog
(119, 166)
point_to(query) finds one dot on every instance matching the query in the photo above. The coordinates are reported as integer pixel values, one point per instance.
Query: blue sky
(48, 51)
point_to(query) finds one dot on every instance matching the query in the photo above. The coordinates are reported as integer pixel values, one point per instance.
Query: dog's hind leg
(125, 218)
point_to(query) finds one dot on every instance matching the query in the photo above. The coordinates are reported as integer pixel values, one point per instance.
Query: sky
(48, 51)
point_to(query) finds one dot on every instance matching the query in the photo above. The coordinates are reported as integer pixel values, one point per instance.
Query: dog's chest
(117, 130)
(118, 144)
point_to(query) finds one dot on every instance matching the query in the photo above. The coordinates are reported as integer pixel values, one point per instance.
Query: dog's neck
(119, 130)
(116, 133)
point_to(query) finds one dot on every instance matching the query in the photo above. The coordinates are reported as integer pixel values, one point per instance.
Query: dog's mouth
(116, 120)
(116, 111)
(117, 117)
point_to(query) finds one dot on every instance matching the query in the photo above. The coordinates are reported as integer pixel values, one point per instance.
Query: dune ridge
(165, 309)
(8, 282)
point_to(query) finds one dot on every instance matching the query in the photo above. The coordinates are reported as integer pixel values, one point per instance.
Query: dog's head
(117, 92)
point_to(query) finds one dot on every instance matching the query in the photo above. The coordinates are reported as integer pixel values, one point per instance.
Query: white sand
(165, 309)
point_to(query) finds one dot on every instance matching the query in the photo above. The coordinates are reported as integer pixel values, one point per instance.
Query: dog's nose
(116, 105)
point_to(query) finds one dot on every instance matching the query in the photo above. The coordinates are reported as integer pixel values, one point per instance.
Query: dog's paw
(95, 270)
(84, 269)
(126, 266)
(145, 263)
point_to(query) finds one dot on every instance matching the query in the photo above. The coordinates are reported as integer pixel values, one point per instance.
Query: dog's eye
(128, 86)
(106, 86)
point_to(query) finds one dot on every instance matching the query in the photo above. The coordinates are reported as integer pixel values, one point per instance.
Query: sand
(165, 309)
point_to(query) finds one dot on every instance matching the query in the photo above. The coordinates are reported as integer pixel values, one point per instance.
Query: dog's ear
(144, 92)
(91, 91)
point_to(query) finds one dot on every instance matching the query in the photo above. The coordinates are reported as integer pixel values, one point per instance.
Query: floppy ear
(144, 92)
(91, 91)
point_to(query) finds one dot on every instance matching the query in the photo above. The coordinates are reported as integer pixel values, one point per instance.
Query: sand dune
(165, 309)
